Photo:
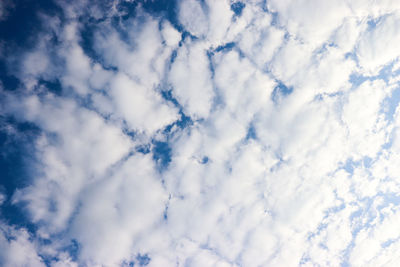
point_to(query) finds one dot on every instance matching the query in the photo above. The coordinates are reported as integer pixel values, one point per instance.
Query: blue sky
(199, 133)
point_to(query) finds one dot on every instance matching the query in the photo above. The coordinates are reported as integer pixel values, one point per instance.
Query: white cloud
(117, 212)
(3, 197)
(17, 248)
(140, 55)
(259, 175)
(377, 46)
(310, 21)
(369, 245)
(135, 102)
(290, 59)
(366, 129)
(78, 69)
(79, 148)
(170, 34)
(190, 78)
(244, 93)
(346, 36)
(193, 17)
(219, 19)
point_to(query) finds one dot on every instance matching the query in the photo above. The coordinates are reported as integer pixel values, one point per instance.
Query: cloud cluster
(17, 248)
(278, 125)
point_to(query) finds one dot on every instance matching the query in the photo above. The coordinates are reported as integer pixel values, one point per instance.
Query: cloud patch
(206, 133)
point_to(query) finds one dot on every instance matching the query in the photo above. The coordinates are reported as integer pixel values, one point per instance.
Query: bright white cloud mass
(200, 133)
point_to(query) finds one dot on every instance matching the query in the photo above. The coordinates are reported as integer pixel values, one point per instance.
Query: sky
(199, 133)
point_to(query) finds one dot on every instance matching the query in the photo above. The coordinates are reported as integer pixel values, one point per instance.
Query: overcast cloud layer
(200, 133)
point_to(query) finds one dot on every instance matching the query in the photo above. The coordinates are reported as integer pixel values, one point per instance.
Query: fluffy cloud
(310, 21)
(118, 211)
(193, 16)
(17, 248)
(75, 137)
(190, 77)
(134, 102)
(377, 47)
(208, 137)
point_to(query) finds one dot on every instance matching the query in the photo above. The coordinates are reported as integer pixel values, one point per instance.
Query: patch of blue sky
(53, 86)
(389, 198)
(168, 8)
(184, 120)
(186, 35)
(225, 47)
(237, 8)
(367, 162)
(14, 214)
(364, 216)
(356, 79)
(205, 160)
(373, 22)
(387, 243)
(127, 9)
(323, 49)
(87, 41)
(24, 21)
(15, 166)
(274, 21)
(351, 56)
(73, 249)
(160, 8)
(140, 260)
(162, 153)
(386, 72)
(350, 165)
(388, 144)
(251, 133)
(161, 150)
(128, 131)
(174, 54)
(280, 91)
(143, 260)
(167, 95)
(9, 81)
(210, 54)
(143, 148)
(390, 104)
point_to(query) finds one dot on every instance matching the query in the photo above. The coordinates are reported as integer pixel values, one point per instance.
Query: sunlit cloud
(200, 133)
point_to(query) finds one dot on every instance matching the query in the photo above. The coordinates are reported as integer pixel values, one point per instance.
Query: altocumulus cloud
(200, 133)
